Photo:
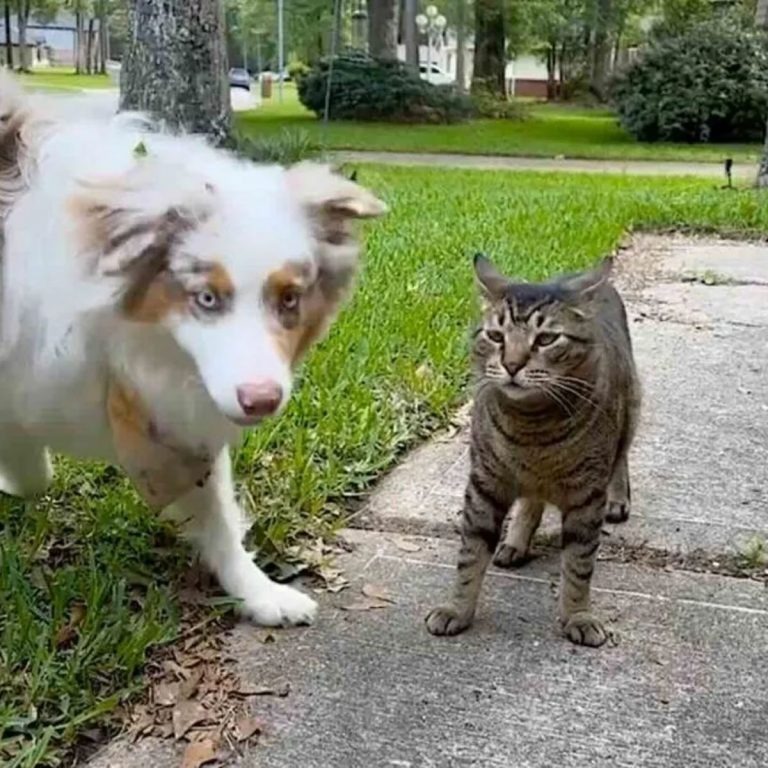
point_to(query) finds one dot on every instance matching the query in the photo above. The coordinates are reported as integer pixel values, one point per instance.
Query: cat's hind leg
(521, 524)
(618, 505)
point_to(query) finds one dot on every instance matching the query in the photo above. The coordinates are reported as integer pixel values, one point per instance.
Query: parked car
(435, 75)
(239, 78)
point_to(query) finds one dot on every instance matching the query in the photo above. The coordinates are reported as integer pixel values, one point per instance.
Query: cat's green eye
(546, 339)
(497, 337)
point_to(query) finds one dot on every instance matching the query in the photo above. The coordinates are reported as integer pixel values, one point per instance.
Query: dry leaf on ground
(406, 546)
(186, 715)
(367, 604)
(198, 753)
(377, 593)
(248, 727)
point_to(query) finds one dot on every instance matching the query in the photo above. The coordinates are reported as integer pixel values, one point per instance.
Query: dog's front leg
(211, 519)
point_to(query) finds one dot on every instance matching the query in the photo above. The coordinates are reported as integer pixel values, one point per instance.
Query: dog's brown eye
(546, 339)
(208, 300)
(289, 300)
(497, 337)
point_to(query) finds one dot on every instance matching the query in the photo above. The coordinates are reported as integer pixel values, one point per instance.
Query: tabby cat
(554, 413)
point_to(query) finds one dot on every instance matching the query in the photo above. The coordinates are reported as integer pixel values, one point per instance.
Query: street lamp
(432, 24)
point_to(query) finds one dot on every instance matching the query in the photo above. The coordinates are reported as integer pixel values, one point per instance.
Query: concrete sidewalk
(742, 172)
(682, 685)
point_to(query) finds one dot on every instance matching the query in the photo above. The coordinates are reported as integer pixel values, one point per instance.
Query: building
(52, 42)
(526, 75)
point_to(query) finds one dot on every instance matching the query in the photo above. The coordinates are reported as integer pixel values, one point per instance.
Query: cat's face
(537, 341)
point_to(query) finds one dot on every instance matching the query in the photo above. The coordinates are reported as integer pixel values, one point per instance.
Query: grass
(550, 131)
(87, 576)
(64, 79)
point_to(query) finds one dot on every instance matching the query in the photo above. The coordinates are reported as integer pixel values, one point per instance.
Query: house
(526, 75)
(53, 41)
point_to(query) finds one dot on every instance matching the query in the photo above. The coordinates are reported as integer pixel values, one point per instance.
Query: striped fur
(553, 418)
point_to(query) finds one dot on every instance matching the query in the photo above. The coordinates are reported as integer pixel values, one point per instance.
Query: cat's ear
(586, 283)
(493, 285)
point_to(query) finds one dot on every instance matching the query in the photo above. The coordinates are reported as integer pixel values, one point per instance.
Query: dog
(157, 294)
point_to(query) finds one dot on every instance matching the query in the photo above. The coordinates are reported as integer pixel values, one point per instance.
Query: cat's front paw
(447, 621)
(617, 511)
(583, 628)
(279, 606)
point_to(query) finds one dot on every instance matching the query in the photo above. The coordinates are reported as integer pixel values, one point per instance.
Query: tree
(761, 20)
(176, 65)
(382, 28)
(8, 35)
(488, 73)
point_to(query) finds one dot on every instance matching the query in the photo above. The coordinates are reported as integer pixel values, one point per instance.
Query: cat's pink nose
(259, 398)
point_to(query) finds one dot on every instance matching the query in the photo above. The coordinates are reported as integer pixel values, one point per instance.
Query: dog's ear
(126, 226)
(330, 197)
(333, 204)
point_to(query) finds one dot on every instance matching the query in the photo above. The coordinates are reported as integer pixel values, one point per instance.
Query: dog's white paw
(276, 605)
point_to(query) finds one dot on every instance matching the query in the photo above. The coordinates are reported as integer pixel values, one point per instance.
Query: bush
(287, 148)
(364, 88)
(487, 104)
(298, 69)
(707, 85)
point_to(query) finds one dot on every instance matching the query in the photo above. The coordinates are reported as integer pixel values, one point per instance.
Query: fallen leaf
(406, 546)
(185, 715)
(199, 753)
(377, 593)
(248, 727)
(189, 687)
(167, 694)
(366, 605)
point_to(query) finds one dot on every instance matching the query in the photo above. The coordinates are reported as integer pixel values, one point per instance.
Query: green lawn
(550, 131)
(391, 373)
(64, 79)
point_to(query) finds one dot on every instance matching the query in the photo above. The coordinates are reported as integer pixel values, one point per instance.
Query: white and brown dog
(156, 296)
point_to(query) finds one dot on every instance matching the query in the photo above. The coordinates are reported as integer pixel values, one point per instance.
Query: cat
(555, 408)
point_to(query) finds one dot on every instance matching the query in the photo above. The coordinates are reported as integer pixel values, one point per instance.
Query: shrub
(298, 69)
(287, 148)
(487, 104)
(364, 88)
(707, 85)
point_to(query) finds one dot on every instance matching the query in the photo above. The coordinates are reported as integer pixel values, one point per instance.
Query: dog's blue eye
(208, 300)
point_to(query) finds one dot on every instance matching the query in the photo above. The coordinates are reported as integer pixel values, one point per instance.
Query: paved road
(741, 171)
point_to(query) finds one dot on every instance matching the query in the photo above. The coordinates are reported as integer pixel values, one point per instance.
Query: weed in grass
(391, 372)
(754, 554)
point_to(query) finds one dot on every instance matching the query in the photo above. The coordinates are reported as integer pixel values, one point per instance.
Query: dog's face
(245, 270)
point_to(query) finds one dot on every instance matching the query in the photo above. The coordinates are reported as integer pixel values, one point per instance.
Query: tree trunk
(8, 35)
(382, 28)
(103, 37)
(409, 35)
(600, 49)
(761, 21)
(79, 43)
(22, 17)
(176, 65)
(551, 72)
(461, 45)
(490, 44)
(89, 48)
